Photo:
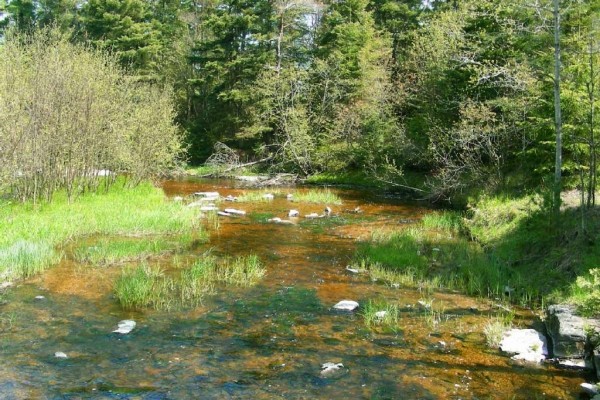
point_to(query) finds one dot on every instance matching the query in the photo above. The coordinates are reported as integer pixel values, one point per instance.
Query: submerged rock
(526, 344)
(125, 326)
(330, 369)
(60, 354)
(346, 305)
(293, 213)
(233, 211)
(353, 270)
(568, 330)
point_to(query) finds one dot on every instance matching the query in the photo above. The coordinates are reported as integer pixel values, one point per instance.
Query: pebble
(353, 270)
(380, 314)
(293, 213)
(40, 297)
(234, 211)
(60, 354)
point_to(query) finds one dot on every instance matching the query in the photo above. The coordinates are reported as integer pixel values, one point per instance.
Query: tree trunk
(557, 112)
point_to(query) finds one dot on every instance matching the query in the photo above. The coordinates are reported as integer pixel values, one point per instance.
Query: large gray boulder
(568, 330)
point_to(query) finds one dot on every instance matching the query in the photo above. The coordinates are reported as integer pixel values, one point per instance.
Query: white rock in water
(177, 199)
(234, 211)
(347, 305)
(330, 368)
(208, 194)
(209, 208)
(312, 216)
(39, 297)
(526, 344)
(353, 270)
(268, 196)
(230, 198)
(380, 314)
(125, 326)
(289, 196)
(275, 220)
(293, 213)
(327, 210)
(223, 214)
(60, 354)
(589, 388)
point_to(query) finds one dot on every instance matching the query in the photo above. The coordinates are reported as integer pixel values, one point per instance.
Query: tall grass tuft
(145, 286)
(318, 196)
(446, 220)
(381, 315)
(140, 287)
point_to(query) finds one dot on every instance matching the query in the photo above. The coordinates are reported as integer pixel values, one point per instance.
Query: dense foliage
(68, 116)
(462, 91)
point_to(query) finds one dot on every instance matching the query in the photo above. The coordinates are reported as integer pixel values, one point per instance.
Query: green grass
(31, 235)
(495, 328)
(142, 287)
(374, 320)
(108, 251)
(256, 196)
(446, 220)
(148, 287)
(317, 196)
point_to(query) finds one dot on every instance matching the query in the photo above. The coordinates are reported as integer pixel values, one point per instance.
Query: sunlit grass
(381, 315)
(447, 220)
(117, 250)
(31, 235)
(148, 287)
(317, 196)
(263, 195)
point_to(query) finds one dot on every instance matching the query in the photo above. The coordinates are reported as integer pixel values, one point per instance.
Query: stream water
(268, 341)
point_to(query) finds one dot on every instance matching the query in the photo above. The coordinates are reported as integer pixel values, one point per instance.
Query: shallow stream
(268, 341)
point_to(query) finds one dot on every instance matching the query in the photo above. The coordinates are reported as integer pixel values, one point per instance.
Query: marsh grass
(496, 326)
(256, 196)
(317, 196)
(31, 235)
(118, 250)
(446, 220)
(149, 287)
(373, 319)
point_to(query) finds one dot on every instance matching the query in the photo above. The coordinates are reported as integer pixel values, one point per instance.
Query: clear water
(269, 341)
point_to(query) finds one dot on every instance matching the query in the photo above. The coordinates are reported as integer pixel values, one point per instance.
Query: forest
(467, 95)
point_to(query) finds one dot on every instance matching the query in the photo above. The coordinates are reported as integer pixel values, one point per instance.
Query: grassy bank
(499, 248)
(32, 235)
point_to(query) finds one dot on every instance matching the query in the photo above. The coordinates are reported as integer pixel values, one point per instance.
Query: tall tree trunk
(557, 112)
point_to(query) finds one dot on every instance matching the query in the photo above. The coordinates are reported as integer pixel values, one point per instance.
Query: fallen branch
(237, 166)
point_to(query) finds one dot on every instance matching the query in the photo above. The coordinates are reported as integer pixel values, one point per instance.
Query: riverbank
(500, 248)
(33, 235)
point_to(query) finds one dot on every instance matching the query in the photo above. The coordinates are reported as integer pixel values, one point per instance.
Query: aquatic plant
(264, 195)
(117, 250)
(145, 286)
(26, 258)
(381, 315)
(140, 287)
(496, 326)
(317, 196)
